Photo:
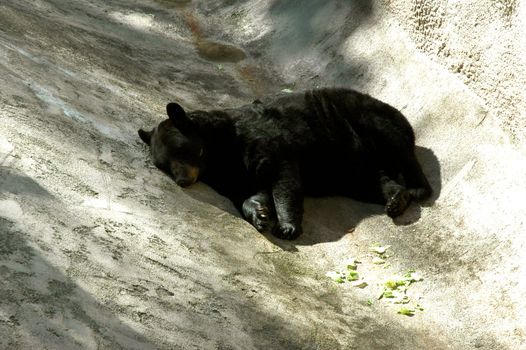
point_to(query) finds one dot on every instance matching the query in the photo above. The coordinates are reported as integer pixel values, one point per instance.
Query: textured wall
(482, 41)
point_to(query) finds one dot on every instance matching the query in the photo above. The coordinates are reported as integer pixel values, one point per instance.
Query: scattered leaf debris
(394, 289)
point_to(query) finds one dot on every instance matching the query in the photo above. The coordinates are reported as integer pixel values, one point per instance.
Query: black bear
(267, 155)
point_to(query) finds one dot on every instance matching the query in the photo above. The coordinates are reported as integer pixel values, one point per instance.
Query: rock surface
(99, 250)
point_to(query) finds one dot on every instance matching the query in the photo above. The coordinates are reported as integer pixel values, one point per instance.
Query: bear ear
(146, 136)
(175, 111)
(178, 117)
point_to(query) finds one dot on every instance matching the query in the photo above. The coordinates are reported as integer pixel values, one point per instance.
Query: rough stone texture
(98, 249)
(483, 42)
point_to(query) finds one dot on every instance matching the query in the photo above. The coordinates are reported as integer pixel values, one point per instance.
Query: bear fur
(267, 155)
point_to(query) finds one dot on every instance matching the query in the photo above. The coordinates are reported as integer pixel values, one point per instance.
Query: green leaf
(391, 284)
(397, 283)
(353, 276)
(336, 276)
(406, 311)
(352, 263)
(388, 294)
(359, 284)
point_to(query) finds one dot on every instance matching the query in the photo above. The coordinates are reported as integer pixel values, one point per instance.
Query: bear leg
(288, 202)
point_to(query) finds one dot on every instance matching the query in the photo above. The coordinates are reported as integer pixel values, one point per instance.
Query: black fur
(267, 155)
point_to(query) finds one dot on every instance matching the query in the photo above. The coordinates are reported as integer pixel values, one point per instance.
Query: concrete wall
(482, 42)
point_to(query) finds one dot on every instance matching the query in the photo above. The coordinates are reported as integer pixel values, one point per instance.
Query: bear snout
(184, 182)
(184, 174)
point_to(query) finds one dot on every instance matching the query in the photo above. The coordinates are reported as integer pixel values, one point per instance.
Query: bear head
(176, 146)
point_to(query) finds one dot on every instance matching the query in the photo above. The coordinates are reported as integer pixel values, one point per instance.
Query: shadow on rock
(329, 219)
(15, 182)
(42, 307)
(300, 32)
(431, 167)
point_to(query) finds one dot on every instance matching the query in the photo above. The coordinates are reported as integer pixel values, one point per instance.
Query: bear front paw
(287, 231)
(262, 219)
(398, 203)
(259, 214)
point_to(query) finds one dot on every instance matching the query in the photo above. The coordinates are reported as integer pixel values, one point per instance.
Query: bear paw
(398, 203)
(287, 231)
(259, 214)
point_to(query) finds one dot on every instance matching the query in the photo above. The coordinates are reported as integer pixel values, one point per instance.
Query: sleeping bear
(265, 156)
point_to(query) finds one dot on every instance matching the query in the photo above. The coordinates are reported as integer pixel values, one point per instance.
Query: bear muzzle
(184, 174)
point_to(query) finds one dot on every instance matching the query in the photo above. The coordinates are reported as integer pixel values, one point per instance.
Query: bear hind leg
(287, 193)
